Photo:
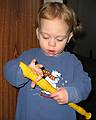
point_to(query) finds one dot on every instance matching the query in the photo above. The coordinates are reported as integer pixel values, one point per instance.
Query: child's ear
(37, 32)
(70, 36)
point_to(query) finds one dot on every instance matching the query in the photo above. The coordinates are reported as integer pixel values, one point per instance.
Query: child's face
(53, 36)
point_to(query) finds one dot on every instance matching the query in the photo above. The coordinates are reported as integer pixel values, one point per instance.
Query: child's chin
(51, 55)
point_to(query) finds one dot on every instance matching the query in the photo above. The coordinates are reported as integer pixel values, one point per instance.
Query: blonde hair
(52, 10)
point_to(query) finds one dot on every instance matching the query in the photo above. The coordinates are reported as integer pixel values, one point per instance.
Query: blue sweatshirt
(35, 104)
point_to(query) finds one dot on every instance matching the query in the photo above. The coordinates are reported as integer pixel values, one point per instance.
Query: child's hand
(37, 69)
(61, 96)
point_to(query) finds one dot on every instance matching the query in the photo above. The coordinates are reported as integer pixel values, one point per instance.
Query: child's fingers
(34, 60)
(39, 65)
(61, 95)
(54, 95)
(38, 70)
(32, 63)
(33, 84)
(36, 67)
(38, 78)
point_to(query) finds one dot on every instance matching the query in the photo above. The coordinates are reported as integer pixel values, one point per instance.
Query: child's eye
(60, 40)
(44, 37)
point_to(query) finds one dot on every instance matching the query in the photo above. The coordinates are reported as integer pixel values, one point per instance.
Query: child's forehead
(57, 19)
(54, 26)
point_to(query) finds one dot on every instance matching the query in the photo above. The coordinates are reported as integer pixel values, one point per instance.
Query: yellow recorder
(45, 85)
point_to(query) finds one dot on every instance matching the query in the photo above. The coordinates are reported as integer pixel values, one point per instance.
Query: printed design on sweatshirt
(55, 79)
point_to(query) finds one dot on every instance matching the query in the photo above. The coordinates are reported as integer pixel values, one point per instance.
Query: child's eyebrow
(44, 33)
(56, 36)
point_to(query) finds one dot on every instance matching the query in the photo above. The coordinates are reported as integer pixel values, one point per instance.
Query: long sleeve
(13, 73)
(80, 88)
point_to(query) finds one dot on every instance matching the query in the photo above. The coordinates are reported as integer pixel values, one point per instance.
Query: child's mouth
(51, 52)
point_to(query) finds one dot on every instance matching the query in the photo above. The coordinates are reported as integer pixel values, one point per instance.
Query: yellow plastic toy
(45, 85)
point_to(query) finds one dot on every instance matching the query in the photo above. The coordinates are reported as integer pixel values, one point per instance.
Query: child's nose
(52, 43)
